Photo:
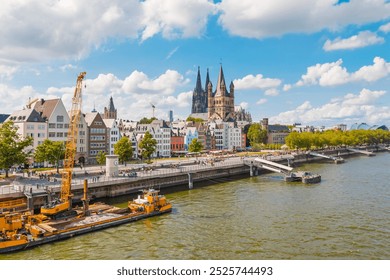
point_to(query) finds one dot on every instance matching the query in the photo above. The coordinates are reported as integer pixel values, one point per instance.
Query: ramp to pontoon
(367, 153)
(270, 165)
(326, 156)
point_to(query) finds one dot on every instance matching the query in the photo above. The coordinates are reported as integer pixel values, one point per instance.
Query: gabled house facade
(54, 113)
(97, 136)
(30, 123)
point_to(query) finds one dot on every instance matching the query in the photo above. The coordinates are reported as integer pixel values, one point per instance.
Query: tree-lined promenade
(336, 138)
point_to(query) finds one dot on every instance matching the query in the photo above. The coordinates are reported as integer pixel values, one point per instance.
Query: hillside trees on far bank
(335, 138)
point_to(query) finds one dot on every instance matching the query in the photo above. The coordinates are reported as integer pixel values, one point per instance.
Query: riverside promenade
(161, 174)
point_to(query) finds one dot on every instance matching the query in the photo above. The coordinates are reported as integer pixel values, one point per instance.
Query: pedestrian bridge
(269, 165)
(335, 159)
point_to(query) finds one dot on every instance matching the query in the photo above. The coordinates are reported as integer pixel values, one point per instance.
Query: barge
(303, 176)
(20, 231)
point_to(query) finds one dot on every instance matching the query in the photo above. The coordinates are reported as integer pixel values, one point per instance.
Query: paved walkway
(50, 179)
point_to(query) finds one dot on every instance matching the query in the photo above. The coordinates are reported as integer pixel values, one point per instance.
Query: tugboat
(19, 231)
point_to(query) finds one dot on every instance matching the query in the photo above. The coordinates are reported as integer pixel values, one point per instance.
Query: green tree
(123, 149)
(195, 146)
(12, 147)
(101, 157)
(50, 151)
(145, 120)
(195, 120)
(256, 134)
(148, 146)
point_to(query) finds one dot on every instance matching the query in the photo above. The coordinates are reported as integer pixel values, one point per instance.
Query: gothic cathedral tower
(199, 96)
(220, 102)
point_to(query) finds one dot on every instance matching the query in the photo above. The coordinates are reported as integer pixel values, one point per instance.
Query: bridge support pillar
(253, 170)
(190, 181)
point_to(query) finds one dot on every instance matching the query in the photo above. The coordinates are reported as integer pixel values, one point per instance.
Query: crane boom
(65, 202)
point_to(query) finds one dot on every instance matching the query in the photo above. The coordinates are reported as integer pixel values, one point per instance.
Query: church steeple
(110, 112)
(221, 84)
(199, 97)
(198, 87)
(207, 80)
(111, 107)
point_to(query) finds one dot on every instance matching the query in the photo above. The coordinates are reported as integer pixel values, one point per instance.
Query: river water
(346, 216)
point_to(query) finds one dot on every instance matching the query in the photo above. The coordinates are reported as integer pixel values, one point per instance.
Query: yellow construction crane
(63, 206)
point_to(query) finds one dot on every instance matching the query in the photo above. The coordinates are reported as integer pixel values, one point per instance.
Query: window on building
(60, 118)
(52, 125)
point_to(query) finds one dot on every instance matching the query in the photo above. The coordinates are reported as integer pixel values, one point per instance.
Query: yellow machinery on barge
(21, 231)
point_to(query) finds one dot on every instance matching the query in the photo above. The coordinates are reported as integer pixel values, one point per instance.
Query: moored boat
(19, 231)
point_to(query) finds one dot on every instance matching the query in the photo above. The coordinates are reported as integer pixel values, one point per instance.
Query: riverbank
(162, 175)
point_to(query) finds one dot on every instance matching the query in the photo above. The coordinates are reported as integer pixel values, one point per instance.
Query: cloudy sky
(308, 61)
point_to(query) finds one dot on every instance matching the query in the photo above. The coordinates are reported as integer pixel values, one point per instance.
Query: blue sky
(317, 62)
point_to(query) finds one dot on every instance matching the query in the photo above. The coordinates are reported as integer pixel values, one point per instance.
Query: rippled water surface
(346, 216)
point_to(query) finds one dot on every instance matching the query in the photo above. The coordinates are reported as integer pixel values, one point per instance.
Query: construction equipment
(31, 102)
(153, 107)
(63, 207)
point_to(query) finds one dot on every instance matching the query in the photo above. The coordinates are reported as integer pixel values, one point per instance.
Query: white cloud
(7, 71)
(385, 28)
(315, 74)
(175, 18)
(140, 83)
(256, 82)
(287, 87)
(132, 95)
(371, 73)
(270, 18)
(63, 29)
(272, 92)
(363, 39)
(360, 107)
(67, 67)
(243, 105)
(13, 99)
(71, 29)
(261, 101)
(331, 74)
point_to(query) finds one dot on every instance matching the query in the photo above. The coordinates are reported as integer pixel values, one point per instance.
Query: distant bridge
(362, 152)
(335, 159)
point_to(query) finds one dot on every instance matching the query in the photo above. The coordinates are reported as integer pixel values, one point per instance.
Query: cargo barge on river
(20, 231)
